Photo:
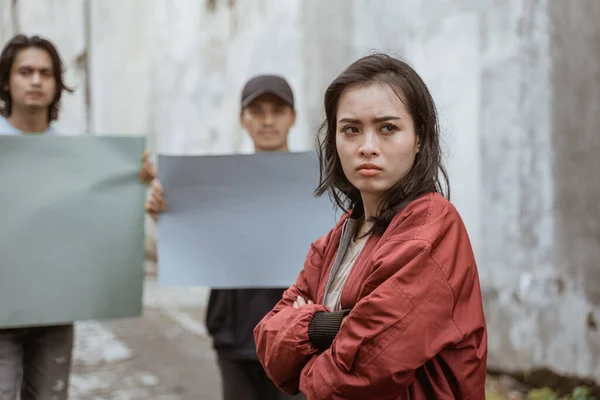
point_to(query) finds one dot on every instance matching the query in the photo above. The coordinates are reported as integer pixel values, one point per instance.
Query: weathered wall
(517, 198)
(540, 155)
(575, 111)
(517, 83)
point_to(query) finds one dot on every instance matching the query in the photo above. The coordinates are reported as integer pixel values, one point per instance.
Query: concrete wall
(517, 83)
(517, 188)
(575, 111)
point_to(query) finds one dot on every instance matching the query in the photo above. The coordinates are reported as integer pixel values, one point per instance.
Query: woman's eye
(350, 130)
(389, 128)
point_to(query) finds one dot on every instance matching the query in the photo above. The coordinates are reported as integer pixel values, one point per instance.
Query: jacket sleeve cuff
(323, 328)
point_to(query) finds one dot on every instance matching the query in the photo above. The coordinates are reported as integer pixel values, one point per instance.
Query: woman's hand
(301, 302)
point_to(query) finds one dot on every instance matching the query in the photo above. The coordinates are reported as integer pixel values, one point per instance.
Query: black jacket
(231, 316)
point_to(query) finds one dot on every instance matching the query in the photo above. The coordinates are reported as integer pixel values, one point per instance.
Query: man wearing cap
(267, 114)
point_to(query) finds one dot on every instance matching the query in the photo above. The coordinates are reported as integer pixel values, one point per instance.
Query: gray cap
(262, 84)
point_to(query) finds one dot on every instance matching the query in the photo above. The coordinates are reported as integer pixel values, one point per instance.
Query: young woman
(388, 305)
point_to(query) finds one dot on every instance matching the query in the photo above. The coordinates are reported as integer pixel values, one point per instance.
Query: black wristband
(324, 327)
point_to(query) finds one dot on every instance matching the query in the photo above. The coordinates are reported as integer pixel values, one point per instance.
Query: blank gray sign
(239, 221)
(71, 229)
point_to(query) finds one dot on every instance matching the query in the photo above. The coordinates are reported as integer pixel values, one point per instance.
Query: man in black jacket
(267, 114)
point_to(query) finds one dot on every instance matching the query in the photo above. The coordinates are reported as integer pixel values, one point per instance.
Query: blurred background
(517, 83)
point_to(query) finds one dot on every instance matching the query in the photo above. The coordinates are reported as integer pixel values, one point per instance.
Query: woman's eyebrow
(379, 119)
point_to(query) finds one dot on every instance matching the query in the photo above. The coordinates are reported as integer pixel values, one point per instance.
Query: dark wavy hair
(427, 175)
(7, 59)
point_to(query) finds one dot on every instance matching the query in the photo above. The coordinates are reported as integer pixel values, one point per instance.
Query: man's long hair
(7, 59)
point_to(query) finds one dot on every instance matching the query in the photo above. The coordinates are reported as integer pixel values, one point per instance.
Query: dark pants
(246, 380)
(35, 362)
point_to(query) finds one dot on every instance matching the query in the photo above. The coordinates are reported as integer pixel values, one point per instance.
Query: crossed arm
(388, 334)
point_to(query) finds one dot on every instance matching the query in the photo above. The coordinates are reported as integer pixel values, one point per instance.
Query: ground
(164, 354)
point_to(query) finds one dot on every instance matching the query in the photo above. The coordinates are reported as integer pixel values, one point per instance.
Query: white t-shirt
(7, 129)
(334, 295)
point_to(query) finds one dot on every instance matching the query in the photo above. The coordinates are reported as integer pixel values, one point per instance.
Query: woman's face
(375, 138)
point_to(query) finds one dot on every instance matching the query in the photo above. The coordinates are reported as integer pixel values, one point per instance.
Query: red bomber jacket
(416, 329)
